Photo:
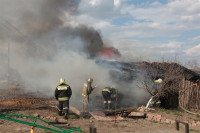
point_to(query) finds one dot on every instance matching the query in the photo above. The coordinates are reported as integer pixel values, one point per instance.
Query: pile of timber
(102, 117)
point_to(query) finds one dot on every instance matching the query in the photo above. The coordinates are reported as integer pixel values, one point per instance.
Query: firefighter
(154, 101)
(62, 94)
(109, 96)
(87, 89)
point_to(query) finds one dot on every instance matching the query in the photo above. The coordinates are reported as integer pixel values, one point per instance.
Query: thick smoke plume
(40, 44)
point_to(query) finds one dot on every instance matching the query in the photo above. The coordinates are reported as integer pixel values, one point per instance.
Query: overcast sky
(151, 29)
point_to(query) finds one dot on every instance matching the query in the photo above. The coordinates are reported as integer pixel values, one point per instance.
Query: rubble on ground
(144, 109)
(102, 117)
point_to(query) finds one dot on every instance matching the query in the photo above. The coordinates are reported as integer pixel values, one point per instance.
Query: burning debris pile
(172, 75)
(120, 71)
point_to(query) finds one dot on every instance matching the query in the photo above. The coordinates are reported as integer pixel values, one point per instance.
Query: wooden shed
(180, 87)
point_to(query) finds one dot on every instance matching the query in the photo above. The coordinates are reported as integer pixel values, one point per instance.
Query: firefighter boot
(109, 105)
(60, 113)
(105, 105)
(66, 115)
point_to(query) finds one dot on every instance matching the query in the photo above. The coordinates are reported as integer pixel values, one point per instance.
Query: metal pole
(186, 128)
(8, 64)
(116, 106)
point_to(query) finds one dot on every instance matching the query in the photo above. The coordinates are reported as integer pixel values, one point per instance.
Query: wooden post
(177, 125)
(93, 129)
(186, 128)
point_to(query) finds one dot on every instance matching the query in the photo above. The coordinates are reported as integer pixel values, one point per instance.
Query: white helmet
(90, 80)
(62, 80)
(159, 80)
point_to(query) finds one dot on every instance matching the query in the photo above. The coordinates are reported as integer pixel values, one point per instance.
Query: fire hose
(59, 130)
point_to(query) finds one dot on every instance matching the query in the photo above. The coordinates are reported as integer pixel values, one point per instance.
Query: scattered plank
(74, 110)
(101, 117)
(137, 114)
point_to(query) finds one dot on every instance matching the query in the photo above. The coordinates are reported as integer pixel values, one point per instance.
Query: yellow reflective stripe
(65, 108)
(105, 102)
(106, 90)
(158, 102)
(109, 101)
(63, 82)
(63, 98)
(63, 87)
(84, 95)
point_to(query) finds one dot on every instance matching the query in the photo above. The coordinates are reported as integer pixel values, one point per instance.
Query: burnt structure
(120, 71)
(180, 86)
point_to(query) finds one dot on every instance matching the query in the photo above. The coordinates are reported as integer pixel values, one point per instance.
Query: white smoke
(42, 49)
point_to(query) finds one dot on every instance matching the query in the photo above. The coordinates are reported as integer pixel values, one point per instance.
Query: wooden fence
(189, 95)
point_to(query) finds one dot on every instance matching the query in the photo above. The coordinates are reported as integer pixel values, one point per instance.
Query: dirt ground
(45, 108)
(125, 126)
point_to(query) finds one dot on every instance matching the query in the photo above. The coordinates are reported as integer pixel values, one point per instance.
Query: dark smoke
(48, 19)
(39, 24)
(92, 39)
(45, 45)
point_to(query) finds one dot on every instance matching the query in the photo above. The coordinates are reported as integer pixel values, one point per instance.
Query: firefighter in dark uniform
(109, 96)
(62, 94)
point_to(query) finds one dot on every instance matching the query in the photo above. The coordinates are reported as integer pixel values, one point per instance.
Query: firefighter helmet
(158, 80)
(62, 80)
(90, 80)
